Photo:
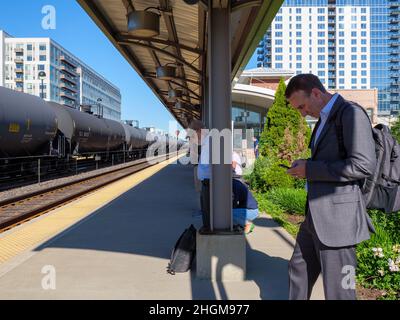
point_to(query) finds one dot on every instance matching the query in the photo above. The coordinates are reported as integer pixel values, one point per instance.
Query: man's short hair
(305, 82)
(196, 125)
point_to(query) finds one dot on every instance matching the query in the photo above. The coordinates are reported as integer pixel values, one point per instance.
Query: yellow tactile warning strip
(34, 233)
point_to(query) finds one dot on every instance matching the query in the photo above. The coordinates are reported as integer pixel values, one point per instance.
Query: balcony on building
(69, 95)
(395, 98)
(19, 50)
(395, 36)
(19, 80)
(394, 52)
(68, 86)
(394, 4)
(69, 70)
(260, 51)
(394, 28)
(66, 77)
(394, 59)
(67, 60)
(19, 60)
(395, 12)
(394, 43)
(395, 68)
(395, 83)
(19, 70)
(331, 21)
(331, 36)
(394, 21)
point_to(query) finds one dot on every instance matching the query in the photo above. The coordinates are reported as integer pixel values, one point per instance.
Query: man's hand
(298, 169)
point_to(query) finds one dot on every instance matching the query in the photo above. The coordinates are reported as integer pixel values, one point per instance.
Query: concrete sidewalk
(121, 251)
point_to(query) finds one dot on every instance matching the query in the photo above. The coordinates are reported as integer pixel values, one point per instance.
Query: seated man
(245, 207)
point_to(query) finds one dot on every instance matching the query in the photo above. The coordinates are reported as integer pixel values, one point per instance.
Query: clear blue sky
(77, 33)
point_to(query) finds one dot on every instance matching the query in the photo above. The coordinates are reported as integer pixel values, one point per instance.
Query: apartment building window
(354, 25)
(363, 65)
(341, 33)
(341, 49)
(353, 49)
(341, 18)
(42, 58)
(321, 26)
(298, 57)
(298, 50)
(278, 58)
(341, 65)
(298, 18)
(363, 26)
(353, 57)
(321, 18)
(298, 65)
(364, 73)
(321, 34)
(353, 81)
(354, 34)
(298, 42)
(278, 18)
(29, 47)
(363, 41)
(364, 57)
(363, 10)
(278, 49)
(341, 73)
(298, 10)
(341, 42)
(353, 18)
(341, 81)
(298, 26)
(321, 65)
(354, 73)
(363, 33)
(341, 10)
(321, 10)
(42, 47)
(298, 34)
(41, 67)
(354, 65)
(321, 73)
(321, 49)
(278, 42)
(321, 58)
(321, 42)
(363, 49)
(278, 26)
(341, 25)
(341, 57)
(29, 58)
(353, 10)
(354, 42)
(363, 80)
(278, 34)
(363, 18)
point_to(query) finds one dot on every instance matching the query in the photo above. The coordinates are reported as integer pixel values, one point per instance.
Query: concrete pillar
(221, 254)
(221, 115)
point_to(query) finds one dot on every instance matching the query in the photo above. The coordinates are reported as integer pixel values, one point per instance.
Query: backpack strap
(339, 125)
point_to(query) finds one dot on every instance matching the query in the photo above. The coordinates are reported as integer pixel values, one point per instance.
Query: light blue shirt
(204, 169)
(325, 115)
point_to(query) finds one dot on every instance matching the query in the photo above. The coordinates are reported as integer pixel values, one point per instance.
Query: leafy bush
(268, 174)
(292, 201)
(379, 257)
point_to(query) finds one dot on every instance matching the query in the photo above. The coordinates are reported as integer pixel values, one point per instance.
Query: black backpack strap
(339, 126)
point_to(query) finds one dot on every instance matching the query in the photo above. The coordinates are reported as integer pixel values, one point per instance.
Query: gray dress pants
(311, 257)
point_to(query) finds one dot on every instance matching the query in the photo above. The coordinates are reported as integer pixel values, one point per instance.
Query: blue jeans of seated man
(241, 215)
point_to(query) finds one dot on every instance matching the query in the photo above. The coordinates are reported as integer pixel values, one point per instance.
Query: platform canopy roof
(181, 43)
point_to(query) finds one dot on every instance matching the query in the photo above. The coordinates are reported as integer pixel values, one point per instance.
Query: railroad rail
(17, 210)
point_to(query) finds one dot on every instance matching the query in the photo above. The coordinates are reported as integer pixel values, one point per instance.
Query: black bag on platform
(183, 252)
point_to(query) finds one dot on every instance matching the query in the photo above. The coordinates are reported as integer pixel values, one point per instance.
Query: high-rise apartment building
(67, 80)
(349, 44)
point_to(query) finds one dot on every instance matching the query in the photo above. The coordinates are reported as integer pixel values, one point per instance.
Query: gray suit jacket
(334, 197)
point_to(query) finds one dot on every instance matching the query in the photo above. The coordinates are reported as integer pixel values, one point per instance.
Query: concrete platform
(121, 250)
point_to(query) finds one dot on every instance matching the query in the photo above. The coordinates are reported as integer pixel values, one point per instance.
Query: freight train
(31, 128)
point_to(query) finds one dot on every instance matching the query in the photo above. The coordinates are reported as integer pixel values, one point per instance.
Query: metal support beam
(219, 36)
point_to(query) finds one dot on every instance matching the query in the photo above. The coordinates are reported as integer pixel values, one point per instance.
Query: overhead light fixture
(166, 72)
(144, 24)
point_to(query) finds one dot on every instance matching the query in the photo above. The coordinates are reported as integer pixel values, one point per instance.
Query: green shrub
(268, 174)
(292, 201)
(374, 270)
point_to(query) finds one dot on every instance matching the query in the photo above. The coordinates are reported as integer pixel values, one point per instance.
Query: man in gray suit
(336, 216)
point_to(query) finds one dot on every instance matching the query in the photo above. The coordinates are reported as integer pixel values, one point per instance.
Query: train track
(17, 210)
